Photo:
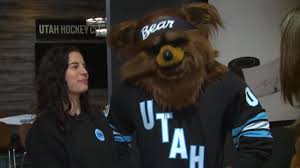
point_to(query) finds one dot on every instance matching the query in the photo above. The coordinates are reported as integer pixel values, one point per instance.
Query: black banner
(63, 29)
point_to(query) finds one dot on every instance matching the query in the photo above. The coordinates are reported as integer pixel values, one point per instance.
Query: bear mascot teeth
(171, 65)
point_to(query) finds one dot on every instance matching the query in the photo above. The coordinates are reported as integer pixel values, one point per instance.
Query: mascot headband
(162, 25)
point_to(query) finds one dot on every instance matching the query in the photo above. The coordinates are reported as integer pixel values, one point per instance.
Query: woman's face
(76, 74)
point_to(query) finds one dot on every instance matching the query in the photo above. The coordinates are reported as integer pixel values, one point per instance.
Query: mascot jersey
(194, 137)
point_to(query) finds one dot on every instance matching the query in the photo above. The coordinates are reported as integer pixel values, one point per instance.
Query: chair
(23, 130)
(5, 141)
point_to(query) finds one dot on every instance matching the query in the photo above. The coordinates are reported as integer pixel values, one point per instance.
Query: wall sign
(63, 29)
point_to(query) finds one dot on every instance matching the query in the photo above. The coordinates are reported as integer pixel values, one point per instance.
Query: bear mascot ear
(201, 15)
(122, 36)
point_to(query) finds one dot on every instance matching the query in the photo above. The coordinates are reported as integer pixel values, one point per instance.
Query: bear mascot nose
(167, 55)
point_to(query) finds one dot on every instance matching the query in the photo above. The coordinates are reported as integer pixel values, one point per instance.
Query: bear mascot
(175, 97)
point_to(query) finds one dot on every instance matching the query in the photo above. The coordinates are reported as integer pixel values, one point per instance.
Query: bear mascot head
(168, 53)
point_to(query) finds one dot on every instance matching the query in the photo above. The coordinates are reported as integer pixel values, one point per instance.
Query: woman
(290, 71)
(66, 133)
(290, 57)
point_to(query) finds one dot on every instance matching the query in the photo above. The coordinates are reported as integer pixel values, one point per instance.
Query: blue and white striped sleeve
(258, 127)
(118, 137)
(251, 130)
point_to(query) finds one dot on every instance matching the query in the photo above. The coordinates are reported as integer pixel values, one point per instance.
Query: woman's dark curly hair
(51, 86)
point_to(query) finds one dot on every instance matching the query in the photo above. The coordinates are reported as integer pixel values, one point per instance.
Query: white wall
(252, 28)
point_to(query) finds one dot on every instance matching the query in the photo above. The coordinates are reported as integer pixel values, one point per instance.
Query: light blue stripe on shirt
(260, 116)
